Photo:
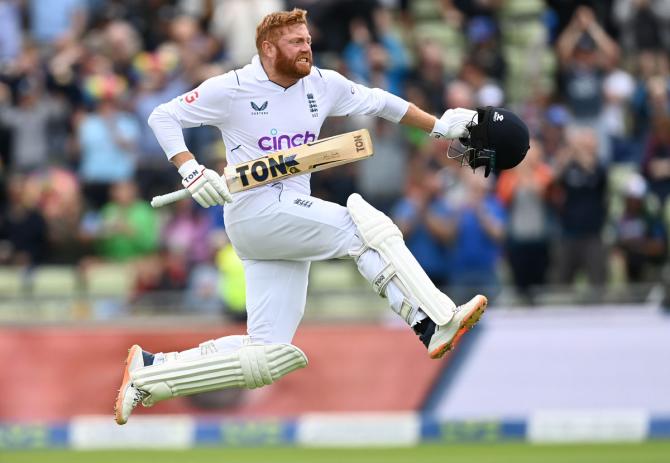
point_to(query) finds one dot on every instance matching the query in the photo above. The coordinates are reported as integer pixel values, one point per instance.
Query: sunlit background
(571, 246)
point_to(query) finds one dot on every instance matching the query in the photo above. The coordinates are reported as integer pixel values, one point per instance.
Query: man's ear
(269, 49)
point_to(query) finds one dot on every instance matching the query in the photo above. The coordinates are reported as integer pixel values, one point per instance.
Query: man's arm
(180, 159)
(351, 98)
(452, 124)
(206, 105)
(416, 117)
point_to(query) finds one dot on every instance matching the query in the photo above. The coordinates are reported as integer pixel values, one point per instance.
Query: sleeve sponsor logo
(190, 97)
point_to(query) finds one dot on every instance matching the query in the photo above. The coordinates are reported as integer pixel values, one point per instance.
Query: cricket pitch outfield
(647, 452)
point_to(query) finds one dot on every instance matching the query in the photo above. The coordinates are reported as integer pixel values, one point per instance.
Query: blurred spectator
(185, 234)
(618, 89)
(107, 138)
(29, 123)
(487, 91)
(202, 294)
(429, 76)
(157, 83)
(552, 132)
(330, 20)
(57, 20)
(125, 228)
(10, 32)
(423, 218)
(480, 223)
(585, 52)
(523, 191)
(157, 277)
(651, 93)
(656, 159)
(484, 47)
(644, 25)
(61, 205)
(581, 185)
(639, 233)
(381, 64)
(381, 178)
(120, 43)
(192, 42)
(234, 22)
(23, 230)
(459, 94)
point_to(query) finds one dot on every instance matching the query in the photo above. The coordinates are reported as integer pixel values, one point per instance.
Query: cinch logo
(497, 117)
(280, 142)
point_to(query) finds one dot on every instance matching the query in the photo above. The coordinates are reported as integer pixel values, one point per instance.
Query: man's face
(294, 52)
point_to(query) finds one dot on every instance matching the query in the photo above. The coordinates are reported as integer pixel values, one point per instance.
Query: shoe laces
(139, 396)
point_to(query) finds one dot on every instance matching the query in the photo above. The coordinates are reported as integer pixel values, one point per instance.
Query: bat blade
(310, 157)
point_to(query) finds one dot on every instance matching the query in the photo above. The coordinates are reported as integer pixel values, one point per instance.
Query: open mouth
(304, 59)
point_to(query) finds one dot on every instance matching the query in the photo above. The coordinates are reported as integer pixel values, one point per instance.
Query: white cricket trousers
(277, 232)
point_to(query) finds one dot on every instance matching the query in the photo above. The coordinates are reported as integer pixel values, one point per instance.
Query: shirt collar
(259, 72)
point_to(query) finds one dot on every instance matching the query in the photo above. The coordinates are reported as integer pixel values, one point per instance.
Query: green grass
(649, 452)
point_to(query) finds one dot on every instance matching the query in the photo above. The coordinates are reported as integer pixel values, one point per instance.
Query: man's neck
(276, 77)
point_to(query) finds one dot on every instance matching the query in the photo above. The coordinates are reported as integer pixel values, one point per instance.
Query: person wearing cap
(640, 236)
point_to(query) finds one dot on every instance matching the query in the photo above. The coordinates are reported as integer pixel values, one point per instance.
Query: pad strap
(383, 278)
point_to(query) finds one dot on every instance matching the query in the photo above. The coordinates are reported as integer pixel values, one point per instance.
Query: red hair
(270, 27)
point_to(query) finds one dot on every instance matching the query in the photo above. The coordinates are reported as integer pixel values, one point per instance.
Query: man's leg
(385, 261)
(304, 228)
(276, 293)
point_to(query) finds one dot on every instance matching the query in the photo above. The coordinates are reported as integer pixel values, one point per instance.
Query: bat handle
(169, 198)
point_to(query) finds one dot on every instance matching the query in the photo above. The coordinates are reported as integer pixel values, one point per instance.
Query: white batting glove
(453, 123)
(205, 185)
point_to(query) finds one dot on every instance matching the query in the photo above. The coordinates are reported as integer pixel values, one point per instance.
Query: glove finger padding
(202, 198)
(219, 184)
(211, 195)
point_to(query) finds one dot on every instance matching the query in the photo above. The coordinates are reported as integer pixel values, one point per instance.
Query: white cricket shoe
(446, 337)
(129, 396)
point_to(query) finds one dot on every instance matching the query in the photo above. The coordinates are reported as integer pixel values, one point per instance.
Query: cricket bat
(303, 159)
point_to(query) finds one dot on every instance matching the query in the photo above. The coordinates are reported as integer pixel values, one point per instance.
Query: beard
(290, 67)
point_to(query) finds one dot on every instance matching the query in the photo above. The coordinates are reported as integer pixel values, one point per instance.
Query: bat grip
(169, 198)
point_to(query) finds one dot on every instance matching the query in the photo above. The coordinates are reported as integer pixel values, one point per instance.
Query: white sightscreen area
(591, 359)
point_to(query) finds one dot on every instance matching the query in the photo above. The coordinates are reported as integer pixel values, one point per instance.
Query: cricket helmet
(497, 142)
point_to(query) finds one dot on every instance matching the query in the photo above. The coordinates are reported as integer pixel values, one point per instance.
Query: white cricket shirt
(257, 116)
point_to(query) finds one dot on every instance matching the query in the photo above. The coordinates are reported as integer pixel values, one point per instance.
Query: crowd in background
(78, 79)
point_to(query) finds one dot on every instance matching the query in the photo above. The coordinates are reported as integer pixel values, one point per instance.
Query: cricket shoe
(440, 339)
(129, 396)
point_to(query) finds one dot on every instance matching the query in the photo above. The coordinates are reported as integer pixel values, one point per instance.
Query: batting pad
(251, 366)
(381, 234)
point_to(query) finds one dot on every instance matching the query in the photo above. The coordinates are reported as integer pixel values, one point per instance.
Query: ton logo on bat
(264, 167)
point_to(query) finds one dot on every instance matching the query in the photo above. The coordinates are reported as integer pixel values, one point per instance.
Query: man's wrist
(440, 129)
(188, 167)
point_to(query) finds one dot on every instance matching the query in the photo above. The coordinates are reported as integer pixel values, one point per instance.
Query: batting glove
(205, 185)
(453, 123)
